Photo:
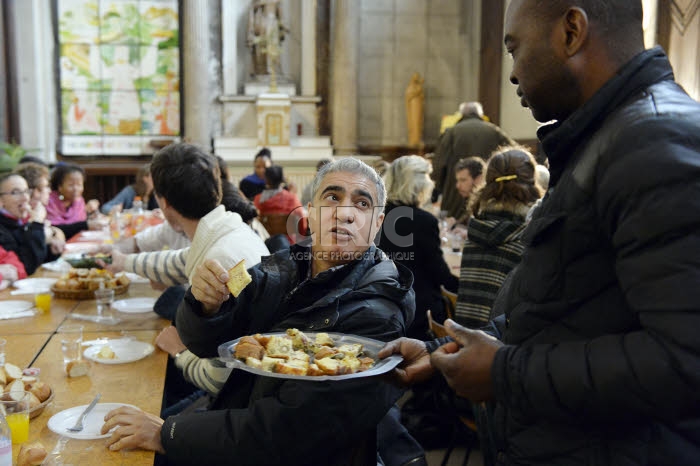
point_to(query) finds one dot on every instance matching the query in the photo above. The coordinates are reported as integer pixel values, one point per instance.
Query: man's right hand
(415, 366)
(209, 285)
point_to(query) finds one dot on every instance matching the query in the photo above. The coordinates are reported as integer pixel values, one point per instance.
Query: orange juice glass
(17, 417)
(43, 301)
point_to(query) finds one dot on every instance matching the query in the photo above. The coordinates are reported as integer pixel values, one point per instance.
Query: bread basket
(38, 409)
(83, 294)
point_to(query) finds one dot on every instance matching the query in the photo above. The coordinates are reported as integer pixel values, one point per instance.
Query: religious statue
(265, 35)
(414, 110)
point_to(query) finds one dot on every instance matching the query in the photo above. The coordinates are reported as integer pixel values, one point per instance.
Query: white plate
(125, 351)
(15, 309)
(81, 247)
(34, 284)
(136, 278)
(370, 348)
(134, 305)
(59, 265)
(92, 424)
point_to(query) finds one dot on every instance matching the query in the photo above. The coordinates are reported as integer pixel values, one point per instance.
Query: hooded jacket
(601, 358)
(493, 248)
(269, 421)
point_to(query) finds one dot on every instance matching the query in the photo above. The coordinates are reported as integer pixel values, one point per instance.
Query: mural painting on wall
(119, 67)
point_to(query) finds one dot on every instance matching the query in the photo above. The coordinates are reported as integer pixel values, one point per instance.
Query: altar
(270, 97)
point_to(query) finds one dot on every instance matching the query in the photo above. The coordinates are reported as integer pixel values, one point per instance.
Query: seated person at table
(275, 200)
(143, 188)
(494, 245)
(37, 176)
(67, 209)
(18, 233)
(469, 176)
(410, 236)
(253, 184)
(341, 283)
(11, 268)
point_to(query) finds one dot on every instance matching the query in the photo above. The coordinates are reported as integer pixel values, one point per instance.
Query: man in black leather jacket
(598, 359)
(343, 284)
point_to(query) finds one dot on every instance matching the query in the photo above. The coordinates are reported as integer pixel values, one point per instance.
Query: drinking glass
(17, 415)
(104, 298)
(43, 301)
(71, 343)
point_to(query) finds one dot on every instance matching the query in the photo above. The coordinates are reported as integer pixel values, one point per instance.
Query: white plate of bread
(307, 356)
(118, 351)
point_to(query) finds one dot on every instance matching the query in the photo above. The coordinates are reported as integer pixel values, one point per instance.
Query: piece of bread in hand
(31, 454)
(77, 368)
(248, 347)
(238, 278)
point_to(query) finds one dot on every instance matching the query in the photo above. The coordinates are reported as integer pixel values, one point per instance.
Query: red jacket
(9, 257)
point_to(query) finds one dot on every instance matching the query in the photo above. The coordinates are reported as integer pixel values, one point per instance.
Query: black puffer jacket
(264, 420)
(27, 241)
(602, 363)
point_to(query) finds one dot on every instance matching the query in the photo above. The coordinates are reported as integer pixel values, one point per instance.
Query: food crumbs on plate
(106, 353)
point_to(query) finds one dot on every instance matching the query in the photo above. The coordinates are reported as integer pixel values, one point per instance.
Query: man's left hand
(466, 362)
(135, 429)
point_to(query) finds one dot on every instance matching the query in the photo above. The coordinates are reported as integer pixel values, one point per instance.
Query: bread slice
(238, 278)
(292, 367)
(77, 368)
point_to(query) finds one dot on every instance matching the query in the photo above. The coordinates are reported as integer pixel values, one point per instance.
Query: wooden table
(139, 383)
(36, 340)
(21, 350)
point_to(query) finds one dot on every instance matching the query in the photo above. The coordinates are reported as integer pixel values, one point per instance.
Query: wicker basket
(83, 294)
(38, 409)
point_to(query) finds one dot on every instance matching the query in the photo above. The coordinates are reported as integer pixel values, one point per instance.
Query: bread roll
(31, 454)
(77, 368)
(40, 390)
(248, 347)
(13, 372)
(3, 376)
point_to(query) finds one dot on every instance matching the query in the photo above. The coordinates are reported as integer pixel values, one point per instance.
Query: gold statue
(414, 110)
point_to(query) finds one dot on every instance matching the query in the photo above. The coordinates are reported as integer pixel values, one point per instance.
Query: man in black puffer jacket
(599, 357)
(341, 284)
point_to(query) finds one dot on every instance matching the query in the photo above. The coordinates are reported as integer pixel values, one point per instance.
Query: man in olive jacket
(472, 136)
(599, 357)
(342, 284)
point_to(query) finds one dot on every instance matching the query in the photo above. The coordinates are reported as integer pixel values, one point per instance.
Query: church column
(344, 66)
(199, 70)
(308, 47)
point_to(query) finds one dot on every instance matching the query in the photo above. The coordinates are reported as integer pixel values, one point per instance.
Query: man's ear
(576, 28)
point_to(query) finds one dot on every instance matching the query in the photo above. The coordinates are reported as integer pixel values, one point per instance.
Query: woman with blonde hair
(410, 236)
(494, 245)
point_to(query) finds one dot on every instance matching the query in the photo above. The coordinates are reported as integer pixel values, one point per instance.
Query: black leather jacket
(264, 420)
(602, 363)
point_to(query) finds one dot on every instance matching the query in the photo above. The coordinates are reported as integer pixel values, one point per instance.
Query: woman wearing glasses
(18, 233)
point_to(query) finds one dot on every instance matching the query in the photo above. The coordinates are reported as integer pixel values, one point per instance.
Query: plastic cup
(71, 343)
(104, 298)
(43, 301)
(17, 415)
(3, 342)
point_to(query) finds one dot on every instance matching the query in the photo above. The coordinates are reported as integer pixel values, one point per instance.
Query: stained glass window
(119, 68)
